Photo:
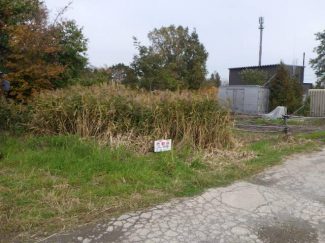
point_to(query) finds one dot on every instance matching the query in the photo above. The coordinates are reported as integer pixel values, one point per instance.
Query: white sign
(163, 145)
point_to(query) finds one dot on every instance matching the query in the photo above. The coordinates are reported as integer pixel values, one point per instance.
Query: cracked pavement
(283, 204)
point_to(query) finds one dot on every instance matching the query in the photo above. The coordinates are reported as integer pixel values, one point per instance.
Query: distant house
(235, 79)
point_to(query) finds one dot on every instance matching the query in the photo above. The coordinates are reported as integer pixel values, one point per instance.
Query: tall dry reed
(116, 114)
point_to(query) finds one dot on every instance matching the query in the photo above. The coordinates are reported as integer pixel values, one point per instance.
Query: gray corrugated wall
(317, 102)
(246, 99)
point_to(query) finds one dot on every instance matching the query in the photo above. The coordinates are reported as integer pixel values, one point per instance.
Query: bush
(12, 115)
(115, 114)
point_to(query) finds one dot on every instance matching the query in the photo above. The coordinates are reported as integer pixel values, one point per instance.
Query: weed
(276, 121)
(52, 182)
(314, 135)
(118, 116)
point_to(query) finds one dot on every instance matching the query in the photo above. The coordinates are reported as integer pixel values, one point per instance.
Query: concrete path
(285, 204)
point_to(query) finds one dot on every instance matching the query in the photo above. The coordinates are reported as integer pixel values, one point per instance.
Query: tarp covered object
(276, 113)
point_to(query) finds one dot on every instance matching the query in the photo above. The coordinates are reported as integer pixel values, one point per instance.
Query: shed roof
(271, 65)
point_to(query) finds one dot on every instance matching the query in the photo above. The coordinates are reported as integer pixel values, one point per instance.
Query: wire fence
(258, 128)
(256, 131)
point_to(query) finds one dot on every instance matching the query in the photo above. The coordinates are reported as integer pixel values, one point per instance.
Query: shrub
(12, 115)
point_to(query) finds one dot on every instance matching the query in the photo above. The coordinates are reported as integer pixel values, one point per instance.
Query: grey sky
(228, 29)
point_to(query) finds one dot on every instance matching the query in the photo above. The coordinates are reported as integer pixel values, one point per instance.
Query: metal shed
(317, 102)
(235, 77)
(246, 99)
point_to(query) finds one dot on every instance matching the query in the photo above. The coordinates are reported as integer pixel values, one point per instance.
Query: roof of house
(271, 65)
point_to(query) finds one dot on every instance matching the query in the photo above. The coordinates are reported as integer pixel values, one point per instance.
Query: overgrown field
(77, 155)
(116, 115)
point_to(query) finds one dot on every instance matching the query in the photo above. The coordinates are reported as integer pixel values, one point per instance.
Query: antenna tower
(261, 21)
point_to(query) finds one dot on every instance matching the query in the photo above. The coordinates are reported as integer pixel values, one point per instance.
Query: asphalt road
(285, 204)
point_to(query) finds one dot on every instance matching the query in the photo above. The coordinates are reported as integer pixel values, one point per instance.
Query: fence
(317, 102)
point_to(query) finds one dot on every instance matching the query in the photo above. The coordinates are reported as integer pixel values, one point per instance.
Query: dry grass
(116, 115)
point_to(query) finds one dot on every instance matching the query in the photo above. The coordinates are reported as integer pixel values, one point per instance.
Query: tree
(285, 90)
(175, 60)
(123, 74)
(72, 53)
(37, 55)
(14, 13)
(213, 81)
(33, 65)
(298, 93)
(318, 63)
(253, 76)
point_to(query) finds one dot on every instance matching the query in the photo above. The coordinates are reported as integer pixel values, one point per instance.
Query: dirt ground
(296, 125)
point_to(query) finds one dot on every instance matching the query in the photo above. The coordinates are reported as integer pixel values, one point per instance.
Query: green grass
(295, 122)
(277, 121)
(314, 135)
(271, 153)
(52, 182)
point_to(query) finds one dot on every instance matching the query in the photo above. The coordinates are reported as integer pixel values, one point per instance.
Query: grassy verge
(277, 121)
(53, 182)
(314, 135)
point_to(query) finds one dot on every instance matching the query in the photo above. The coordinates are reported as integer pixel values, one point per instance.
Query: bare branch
(62, 11)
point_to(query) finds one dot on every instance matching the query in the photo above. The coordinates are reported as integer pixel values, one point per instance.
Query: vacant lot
(82, 154)
(52, 183)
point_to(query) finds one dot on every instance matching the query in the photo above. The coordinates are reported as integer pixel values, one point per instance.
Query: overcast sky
(228, 29)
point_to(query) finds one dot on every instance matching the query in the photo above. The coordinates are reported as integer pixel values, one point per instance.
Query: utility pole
(303, 69)
(261, 21)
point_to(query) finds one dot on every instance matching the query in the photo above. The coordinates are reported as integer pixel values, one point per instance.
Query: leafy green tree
(318, 63)
(298, 93)
(253, 76)
(123, 74)
(285, 90)
(72, 54)
(119, 73)
(281, 92)
(175, 59)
